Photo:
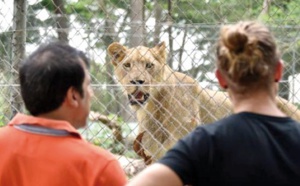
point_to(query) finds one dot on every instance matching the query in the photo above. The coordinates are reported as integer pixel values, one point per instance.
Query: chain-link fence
(189, 29)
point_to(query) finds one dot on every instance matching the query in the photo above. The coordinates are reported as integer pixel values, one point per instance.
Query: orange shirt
(34, 159)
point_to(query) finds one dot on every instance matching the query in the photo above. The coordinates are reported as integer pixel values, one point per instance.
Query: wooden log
(131, 166)
(111, 124)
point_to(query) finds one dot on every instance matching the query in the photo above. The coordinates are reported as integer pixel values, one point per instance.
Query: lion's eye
(149, 65)
(126, 65)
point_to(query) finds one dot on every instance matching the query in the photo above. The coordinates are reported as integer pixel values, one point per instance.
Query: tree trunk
(119, 103)
(61, 21)
(158, 25)
(18, 52)
(136, 36)
(265, 8)
(170, 23)
(181, 50)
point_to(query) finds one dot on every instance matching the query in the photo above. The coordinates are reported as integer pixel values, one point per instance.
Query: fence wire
(189, 29)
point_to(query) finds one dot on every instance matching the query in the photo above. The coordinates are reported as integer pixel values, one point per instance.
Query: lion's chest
(166, 108)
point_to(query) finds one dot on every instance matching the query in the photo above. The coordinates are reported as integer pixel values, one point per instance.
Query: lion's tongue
(138, 95)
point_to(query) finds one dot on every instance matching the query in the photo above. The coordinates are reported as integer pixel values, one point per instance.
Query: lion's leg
(150, 146)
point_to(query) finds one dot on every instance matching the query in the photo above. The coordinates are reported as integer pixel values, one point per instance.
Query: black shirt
(242, 149)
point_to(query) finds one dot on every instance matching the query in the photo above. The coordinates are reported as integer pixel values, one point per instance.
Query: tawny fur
(176, 104)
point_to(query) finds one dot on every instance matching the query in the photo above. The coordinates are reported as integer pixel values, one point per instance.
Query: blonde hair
(247, 55)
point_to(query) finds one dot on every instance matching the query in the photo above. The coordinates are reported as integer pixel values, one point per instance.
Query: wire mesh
(189, 28)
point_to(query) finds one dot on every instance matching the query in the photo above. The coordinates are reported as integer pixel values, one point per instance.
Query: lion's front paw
(138, 148)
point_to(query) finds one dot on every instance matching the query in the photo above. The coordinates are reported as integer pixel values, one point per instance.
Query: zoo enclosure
(189, 27)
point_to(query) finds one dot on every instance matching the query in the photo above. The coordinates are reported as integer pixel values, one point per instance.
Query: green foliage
(5, 50)
(2, 121)
(102, 94)
(48, 4)
(88, 9)
(105, 139)
(84, 9)
(123, 4)
(214, 11)
(284, 13)
(33, 34)
(297, 105)
(100, 135)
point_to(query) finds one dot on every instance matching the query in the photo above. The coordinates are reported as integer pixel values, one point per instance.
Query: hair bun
(234, 39)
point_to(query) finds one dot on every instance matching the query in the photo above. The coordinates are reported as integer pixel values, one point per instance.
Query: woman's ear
(72, 97)
(221, 80)
(278, 71)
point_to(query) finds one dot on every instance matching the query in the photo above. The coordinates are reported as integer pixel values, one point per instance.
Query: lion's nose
(137, 82)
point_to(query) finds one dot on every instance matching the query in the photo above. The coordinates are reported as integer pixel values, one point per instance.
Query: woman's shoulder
(245, 120)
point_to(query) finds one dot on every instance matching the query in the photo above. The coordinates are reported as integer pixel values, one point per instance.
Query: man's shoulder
(87, 149)
(5, 132)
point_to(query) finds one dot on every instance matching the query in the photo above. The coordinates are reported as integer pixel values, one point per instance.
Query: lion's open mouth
(138, 97)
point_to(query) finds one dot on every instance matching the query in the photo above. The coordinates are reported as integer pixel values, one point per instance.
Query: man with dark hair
(45, 148)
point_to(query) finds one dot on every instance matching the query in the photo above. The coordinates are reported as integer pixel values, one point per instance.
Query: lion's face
(137, 69)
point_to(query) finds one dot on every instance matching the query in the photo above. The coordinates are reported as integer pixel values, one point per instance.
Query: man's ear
(221, 80)
(278, 71)
(72, 97)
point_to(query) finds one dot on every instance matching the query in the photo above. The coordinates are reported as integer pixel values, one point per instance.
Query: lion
(168, 104)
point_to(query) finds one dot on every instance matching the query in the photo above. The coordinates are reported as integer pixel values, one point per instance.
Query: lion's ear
(117, 52)
(160, 51)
